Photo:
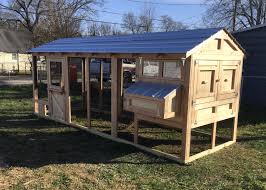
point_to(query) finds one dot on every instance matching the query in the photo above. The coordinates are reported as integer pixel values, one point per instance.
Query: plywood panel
(206, 73)
(229, 80)
(144, 104)
(58, 105)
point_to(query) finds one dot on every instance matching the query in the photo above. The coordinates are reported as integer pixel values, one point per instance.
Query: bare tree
(93, 29)
(235, 14)
(131, 23)
(52, 19)
(168, 24)
(146, 18)
(28, 12)
(103, 29)
(140, 23)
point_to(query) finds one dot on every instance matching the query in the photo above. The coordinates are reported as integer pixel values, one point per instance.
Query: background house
(13, 47)
(253, 40)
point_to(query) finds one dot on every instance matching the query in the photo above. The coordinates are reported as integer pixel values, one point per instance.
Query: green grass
(40, 154)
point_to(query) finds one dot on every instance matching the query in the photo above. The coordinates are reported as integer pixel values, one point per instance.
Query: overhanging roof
(159, 42)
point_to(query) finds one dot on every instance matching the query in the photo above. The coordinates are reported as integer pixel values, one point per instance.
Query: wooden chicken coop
(184, 79)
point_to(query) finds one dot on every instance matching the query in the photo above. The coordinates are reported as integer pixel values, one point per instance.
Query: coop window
(172, 69)
(14, 56)
(56, 72)
(151, 68)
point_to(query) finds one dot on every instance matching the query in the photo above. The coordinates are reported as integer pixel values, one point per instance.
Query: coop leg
(213, 135)
(136, 130)
(234, 131)
(186, 142)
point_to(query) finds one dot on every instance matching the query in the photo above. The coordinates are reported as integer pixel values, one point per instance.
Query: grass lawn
(40, 154)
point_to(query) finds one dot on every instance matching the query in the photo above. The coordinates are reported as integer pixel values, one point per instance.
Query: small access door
(205, 81)
(55, 89)
(229, 74)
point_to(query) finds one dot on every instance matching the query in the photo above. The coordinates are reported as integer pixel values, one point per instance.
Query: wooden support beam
(35, 84)
(88, 90)
(101, 87)
(136, 129)
(120, 86)
(209, 151)
(187, 113)
(114, 94)
(213, 135)
(84, 93)
(234, 130)
(66, 90)
(186, 143)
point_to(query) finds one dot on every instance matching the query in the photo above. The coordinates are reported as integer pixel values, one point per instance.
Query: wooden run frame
(200, 101)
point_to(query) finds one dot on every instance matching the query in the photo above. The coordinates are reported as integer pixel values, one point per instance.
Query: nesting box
(152, 99)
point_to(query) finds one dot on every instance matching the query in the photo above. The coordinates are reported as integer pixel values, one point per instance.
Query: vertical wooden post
(187, 106)
(84, 97)
(88, 89)
(234, 131)
(213, 135)
(35, 84)
(114, 94)
(136, 130)
(186, 142)
(66, 90)
(120, 86)
(100, 88)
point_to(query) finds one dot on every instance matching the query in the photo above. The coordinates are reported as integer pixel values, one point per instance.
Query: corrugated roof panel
(154, 90)
(160, 42)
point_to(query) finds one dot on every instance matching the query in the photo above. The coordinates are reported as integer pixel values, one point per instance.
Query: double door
(215, 80)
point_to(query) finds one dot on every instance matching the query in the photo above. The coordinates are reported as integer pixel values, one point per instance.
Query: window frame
(161, 69)
(52, 86)
(181, 70)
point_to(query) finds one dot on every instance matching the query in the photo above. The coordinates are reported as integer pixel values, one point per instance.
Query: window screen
(172, 69)
(151, 68)
(56, 72)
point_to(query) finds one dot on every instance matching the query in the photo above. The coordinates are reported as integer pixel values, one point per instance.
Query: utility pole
(234, 14)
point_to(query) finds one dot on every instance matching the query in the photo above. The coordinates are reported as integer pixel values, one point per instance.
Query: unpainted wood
(187, 109)
(136, 129)
(213, 135)
(35, 84)
(114, 95)
(65, 71)
(101, 86)
(88, 89)
(120, 86)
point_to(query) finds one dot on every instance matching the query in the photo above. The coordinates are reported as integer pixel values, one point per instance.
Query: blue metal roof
(159, 42)
(154, 90)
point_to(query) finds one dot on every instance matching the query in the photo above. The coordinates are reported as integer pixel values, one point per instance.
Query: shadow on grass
(32, 142)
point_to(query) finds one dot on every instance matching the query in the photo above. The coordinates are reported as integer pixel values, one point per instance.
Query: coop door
(55, 88)
(228, 82)
(205, 87)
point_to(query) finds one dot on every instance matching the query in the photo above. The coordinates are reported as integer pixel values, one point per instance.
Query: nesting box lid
(154, 90)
